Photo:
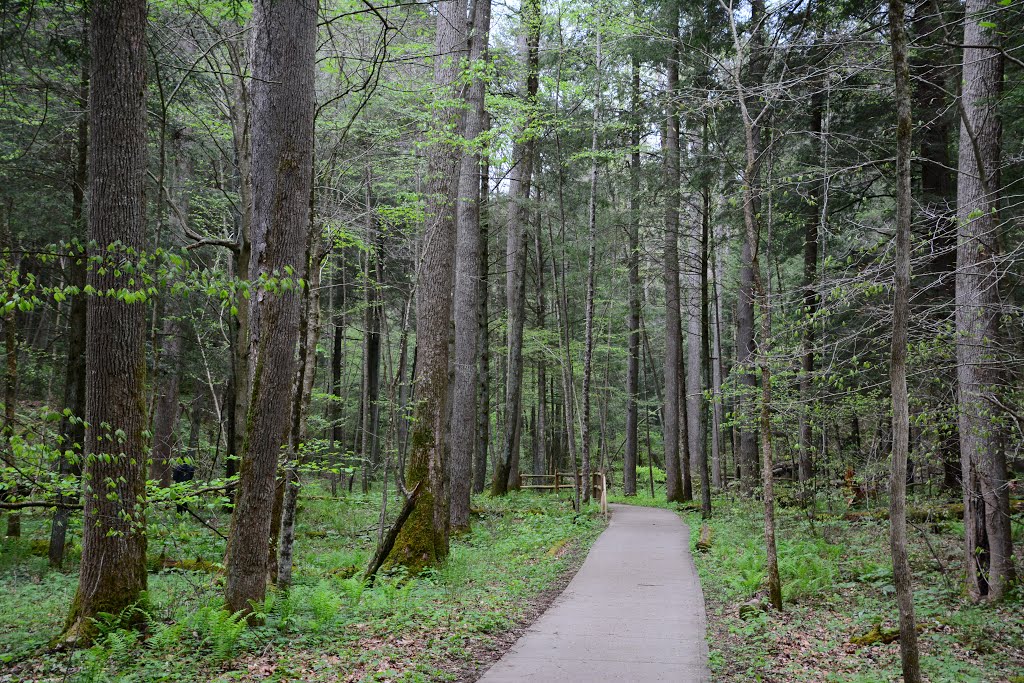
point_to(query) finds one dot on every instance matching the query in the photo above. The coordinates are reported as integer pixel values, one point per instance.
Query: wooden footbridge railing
(566, 481)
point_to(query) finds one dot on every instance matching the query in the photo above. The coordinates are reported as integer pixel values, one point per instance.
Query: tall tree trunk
(113, 567)
(718, 445)
(368, 447)
(930, 68)
(633, 265)
(746, 402)
(988, 544)
(898, 355)
(284, 43)
(540, 465)
(751, 201)
(695, 408)
(673, 342)
(520, 179)
(467, 275)
(588, 347)
(483, 429)
(241, 369)
(423, 539)
(815, 209)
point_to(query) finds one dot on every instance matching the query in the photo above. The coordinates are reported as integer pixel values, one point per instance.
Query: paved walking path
(633, 613)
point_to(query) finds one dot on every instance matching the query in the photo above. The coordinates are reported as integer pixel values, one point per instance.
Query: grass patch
(331, 626)
(837, 586)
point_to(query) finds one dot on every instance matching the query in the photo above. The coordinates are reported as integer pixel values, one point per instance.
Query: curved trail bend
(633, 612)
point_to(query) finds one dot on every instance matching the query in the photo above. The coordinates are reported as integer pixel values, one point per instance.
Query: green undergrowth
(332, 625)
(838, 592)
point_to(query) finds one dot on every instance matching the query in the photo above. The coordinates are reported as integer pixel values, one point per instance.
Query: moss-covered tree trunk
(423, 539)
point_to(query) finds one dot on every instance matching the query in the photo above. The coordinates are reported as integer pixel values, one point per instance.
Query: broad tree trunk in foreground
(898, 354)
(673, 341)
(423, 539)
(520, 179)
(467, 286)
(988, 544)
(113, 568)
(284, 41)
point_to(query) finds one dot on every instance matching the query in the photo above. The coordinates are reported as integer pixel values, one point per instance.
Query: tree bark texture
(745, 360)
(113, 567)
(483, 415)
(282, 96)
(423, 540)
(670, 256)
(898, 356)
(988, 544)
(467, 280)
(588, 344)
(520, 179)
(633, 266)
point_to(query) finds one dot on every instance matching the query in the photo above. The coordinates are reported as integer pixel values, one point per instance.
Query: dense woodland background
(432, 248)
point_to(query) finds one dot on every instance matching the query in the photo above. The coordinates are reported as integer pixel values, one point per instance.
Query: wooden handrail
(598, 483)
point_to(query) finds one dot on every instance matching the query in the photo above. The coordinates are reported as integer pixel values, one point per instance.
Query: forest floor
(445, 625)
(837, 587)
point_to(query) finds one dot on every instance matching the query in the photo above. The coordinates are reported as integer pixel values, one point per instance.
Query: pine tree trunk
(113, 567)
(467, 286)
(633, 266)
(673, 342)
(988, 544)
(745, 361)
(810, 307)
(520, 178)
(282, 89)
(541, 427)
(588, 345)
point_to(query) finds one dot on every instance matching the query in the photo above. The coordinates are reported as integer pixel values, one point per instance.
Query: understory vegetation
(331, 626)
(840, 621)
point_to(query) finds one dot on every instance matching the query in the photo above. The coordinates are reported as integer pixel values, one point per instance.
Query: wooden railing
(565, 481)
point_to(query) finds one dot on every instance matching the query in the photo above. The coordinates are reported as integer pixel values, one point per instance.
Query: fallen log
(388, 542)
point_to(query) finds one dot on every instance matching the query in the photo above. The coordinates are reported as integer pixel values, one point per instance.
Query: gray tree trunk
(633, 266)
(988, 544)
(113, 568)
(898, 355)
(423, 539)
(467, 281)
(588, 345)
(483, 415)
(673, 341)
(282, 92)
(520, 178)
